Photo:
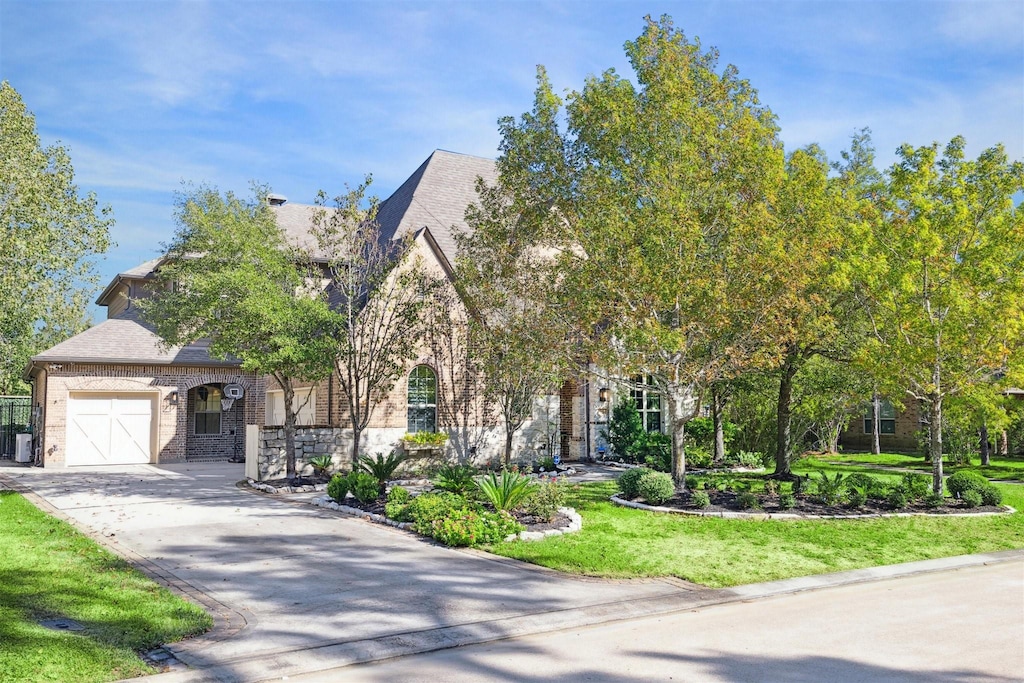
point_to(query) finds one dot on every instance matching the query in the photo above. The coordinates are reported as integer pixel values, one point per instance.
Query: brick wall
(171, 419)
(904, 440)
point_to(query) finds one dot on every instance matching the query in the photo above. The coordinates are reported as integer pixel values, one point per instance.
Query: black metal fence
(15, 418)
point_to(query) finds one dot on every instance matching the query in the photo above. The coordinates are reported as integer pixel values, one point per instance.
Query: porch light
(172, 398)
(604, 394)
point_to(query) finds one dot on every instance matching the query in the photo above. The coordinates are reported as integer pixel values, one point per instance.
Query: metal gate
(15, 418)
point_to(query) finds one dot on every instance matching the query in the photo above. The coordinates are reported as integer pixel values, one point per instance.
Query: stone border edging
(575, 521)
(267, 488)
(785, 516)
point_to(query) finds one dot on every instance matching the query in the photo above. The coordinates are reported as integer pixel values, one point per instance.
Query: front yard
(50, 572)
(622, 542)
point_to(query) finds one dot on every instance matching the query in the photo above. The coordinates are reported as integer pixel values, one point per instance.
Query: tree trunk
(785, 417)
(717, 409)
(289, 428)
(876, 424)
(984, 446)
(357, 433)
(676, 396)
(935, 442)
(508, 446)
(1004, 443)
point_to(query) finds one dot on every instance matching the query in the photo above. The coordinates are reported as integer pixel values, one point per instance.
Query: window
(305, 410)
(207, 409)
(886, 418)
(422, 400)
(648, 403)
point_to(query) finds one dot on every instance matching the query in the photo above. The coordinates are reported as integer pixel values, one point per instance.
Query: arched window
(422, 401)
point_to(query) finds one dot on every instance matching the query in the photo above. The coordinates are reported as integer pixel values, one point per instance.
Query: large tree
(50, 234)
(231, 277)
(943, 276)
(655, 206)
(378, 291)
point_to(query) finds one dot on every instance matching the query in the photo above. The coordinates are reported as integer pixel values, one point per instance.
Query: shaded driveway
(301, 588)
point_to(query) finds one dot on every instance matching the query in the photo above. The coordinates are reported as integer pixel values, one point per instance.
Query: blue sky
(312, 95)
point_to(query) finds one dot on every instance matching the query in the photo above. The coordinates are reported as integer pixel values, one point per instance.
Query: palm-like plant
(454, 478)
(381, 468)
(506, 493)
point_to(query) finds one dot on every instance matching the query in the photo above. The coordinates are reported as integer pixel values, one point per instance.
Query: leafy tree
(378, 290)
(232, 278)
(653, 209)
(50, 237)
(943, 276)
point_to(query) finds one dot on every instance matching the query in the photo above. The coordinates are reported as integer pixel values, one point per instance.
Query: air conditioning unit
(234, 391)
(23, 448)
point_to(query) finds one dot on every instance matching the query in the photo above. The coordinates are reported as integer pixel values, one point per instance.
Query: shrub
(629, 479)
(829, 489)
(397, 511)
(896, 499)
(547, 464)
(787, 501)
(694, 482)
(856, 497)
(747, 501)
(363, 486)
(748, 459)
(656, 487)
(337, 487)
(425, 508)
(697, 457)
(547, 496)
(872, 486)
(398, 494)
(971, 498)
(916, 485)
(381, 468)
(655, 450)
(700, 499)
(771, 487)
(320, 464)
(965, 480)
(454, 478)
(990, 495)
(508, 492)
(466, 526)
(933, 500)
(625, 429)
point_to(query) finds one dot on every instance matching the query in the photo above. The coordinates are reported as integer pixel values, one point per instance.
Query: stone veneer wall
(309, 442)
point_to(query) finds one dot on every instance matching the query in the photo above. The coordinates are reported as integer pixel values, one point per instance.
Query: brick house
(114, 395)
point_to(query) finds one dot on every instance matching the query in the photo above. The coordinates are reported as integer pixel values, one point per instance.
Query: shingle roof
(436, 196)
(296, 221)
(125, 339)
(139, 272)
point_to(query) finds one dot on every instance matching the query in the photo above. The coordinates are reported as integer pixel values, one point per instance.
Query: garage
(110, 429)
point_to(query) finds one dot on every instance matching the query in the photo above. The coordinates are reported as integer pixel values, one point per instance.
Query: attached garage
(110, 428)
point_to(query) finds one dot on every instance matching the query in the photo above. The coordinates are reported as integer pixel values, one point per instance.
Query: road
(957, 626)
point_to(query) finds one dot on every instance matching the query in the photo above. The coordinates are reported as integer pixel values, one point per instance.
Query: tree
(654, 208)
(378, 290)
(50, 237)
(232, 278)
(942, 276)
(515, 329)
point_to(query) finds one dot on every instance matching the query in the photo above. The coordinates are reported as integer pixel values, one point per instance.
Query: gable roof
(139, 272)
(436, 196)
(126, 339)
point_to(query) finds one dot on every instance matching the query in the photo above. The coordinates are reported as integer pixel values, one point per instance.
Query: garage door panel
(111, 429)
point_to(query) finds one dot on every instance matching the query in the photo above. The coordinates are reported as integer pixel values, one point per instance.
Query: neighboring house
(898, 429)
(114, 395)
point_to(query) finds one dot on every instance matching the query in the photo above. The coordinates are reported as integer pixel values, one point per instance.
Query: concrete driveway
(296, 589)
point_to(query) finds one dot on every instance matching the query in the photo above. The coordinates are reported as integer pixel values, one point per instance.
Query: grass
(623, 542)
(1010, 469)
(49, 570)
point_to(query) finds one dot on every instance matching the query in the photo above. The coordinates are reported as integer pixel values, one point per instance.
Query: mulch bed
(725, 501)
(531, 523)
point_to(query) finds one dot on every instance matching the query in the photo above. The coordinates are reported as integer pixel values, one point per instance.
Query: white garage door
(109, 429)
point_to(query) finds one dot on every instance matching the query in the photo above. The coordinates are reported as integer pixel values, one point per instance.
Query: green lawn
(49, 570)
(623, 542)
(1011, 469)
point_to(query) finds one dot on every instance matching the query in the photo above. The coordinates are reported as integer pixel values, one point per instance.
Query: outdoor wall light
(604, 394)
(172, 398)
